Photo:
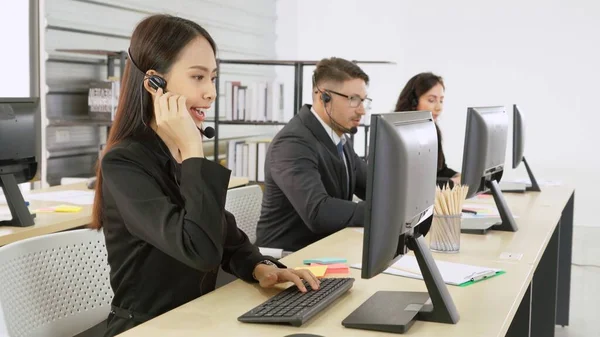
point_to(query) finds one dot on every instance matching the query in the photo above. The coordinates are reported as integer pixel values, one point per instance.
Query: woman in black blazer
(425, 91)
(159, 202)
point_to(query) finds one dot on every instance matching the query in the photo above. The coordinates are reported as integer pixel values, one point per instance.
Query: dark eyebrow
(203, 68)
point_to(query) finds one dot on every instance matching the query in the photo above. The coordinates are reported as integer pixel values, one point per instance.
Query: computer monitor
(519, 145)
(401, 183)
(19, 105)
(17, 154)
(484, 158)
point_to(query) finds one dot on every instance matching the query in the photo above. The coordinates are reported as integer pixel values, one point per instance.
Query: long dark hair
(408, 100)
(155, 44)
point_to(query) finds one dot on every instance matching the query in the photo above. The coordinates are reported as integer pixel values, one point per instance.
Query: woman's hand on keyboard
(269, 276)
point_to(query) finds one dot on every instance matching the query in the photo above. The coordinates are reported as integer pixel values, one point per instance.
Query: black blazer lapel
(315, 127)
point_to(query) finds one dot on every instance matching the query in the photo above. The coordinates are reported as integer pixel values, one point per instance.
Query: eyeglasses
(355, 100)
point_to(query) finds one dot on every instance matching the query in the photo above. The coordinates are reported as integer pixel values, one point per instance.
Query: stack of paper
(483, 211)
(453, 273)
(542, 182)
(5, 213)
(70, 197)
(325, 260)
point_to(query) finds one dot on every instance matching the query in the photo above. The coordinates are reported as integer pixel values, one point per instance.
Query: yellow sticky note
(318, 271)
(67, 209)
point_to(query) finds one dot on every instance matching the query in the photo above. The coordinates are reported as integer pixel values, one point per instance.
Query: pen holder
(444, 235)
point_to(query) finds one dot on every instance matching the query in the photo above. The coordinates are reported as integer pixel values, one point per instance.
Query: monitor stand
(18, 209)
(534, 184)
(396, 311)
(508, 221)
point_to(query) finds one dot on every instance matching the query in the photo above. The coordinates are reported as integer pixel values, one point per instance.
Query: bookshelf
(298, 67)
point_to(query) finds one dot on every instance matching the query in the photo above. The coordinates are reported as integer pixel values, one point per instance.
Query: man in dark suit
(311, 169)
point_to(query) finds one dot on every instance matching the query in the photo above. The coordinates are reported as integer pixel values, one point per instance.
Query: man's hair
(338, 70)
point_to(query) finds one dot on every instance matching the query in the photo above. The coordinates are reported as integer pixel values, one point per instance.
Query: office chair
(245, 204)
(55, 285)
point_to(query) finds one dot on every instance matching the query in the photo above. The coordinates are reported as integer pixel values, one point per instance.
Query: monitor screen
(19, 43)
(401, 181)
(518, 137)
(485, 147)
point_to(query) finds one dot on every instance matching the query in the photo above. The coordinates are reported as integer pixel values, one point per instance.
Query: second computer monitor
(484, 157)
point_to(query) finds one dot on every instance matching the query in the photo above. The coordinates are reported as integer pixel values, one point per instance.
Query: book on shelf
(254, 101)
(246, 158)
(103, 97)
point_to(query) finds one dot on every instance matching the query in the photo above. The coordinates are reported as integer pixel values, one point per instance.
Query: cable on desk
(585, 265)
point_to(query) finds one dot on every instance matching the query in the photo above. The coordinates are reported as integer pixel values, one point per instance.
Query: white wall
(542, 55)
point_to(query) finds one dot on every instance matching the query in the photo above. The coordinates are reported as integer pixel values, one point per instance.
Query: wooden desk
(537, 216)
(46, 223)
(486, 308)
(216, 313)
(538, 239)
(238, 181)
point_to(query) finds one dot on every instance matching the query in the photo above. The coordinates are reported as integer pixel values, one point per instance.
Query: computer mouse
(303, 335)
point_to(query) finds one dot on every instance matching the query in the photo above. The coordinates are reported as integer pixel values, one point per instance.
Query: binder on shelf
(103, 98)
(256, 102)
(247, 158)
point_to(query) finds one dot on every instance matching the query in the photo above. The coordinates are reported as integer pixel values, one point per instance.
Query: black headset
(414, 100)
(155, 82)
(325, 97)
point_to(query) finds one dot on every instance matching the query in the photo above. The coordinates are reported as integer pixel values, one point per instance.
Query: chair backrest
(245, 203)
(55, 285)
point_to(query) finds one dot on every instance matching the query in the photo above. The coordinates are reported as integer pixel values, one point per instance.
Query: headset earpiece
(414, 103)
(156, 82)
(325, 97)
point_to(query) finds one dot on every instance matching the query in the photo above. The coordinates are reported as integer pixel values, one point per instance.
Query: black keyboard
(294, 307)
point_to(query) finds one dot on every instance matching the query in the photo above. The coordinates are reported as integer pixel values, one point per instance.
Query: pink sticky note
(336, 268)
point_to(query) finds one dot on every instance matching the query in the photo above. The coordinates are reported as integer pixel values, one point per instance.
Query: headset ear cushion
(156, 82)
(325, 97)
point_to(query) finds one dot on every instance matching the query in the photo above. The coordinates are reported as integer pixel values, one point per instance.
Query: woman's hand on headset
(174, 122)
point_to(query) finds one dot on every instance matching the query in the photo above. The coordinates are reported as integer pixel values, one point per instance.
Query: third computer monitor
(484, 157)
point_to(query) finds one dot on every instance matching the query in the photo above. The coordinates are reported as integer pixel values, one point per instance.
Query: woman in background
(425, 92)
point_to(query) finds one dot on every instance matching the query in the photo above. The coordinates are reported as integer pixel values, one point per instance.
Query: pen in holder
(444, 235)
